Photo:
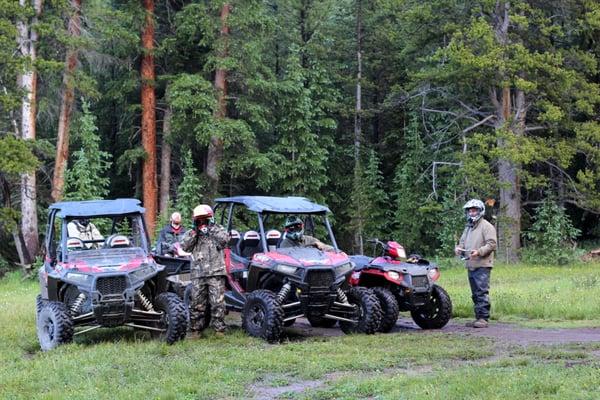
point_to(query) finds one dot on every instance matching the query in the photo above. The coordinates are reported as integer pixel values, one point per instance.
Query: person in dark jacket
(476, 247)
(169, 235)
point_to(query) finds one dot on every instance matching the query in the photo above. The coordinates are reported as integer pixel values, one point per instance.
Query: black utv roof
(91, 208)
(282, 205)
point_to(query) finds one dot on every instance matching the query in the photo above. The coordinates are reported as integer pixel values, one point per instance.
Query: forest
(392, 112)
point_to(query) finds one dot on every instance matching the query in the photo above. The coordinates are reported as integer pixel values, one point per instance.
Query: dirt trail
(505, 332)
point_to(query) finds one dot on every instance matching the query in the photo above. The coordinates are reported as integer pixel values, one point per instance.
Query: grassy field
(124, 364)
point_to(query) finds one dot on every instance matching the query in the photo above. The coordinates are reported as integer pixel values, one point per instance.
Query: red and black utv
(403, 283)
(273, 286)
(98, 272)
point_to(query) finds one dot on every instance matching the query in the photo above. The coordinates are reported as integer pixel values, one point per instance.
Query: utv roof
(91, 208)
(283, 205)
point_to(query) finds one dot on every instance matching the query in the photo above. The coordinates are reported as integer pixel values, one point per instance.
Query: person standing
(206, 242)
(169, 235)
(476, 246)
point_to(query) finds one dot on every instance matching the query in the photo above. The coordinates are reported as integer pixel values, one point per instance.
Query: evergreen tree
(86, 176)
(189, 192)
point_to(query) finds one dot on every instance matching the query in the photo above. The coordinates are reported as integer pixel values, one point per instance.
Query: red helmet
(203, 211)
(395, 250)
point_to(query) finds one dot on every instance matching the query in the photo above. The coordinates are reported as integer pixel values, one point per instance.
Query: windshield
(106, 257)
(95, 233)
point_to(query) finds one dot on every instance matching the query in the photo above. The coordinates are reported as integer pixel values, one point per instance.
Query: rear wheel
(54, 325)
(262, 315)
(436, 313)
(368, 311)
(320, 322)
(174, 318)
(389, 309)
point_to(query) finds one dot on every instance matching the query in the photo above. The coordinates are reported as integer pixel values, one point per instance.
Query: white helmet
(474, 203)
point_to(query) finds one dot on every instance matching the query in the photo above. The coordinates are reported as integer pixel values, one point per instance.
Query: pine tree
(86, 177)
(189, 192)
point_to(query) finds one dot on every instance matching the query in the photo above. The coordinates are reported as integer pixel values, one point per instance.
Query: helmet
(474, 203)
(202, 211)
(294, 228)
(395, 250)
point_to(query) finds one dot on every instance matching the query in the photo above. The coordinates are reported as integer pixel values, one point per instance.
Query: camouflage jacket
(306, 241)
(207, 251)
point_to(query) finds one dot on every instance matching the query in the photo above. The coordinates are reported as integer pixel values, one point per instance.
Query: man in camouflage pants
(206, 242)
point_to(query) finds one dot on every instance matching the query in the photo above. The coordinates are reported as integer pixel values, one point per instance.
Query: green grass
(560, 296)
(125, 364)
(519, 380)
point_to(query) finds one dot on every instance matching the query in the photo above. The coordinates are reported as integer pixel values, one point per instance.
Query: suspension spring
(342, 296)
(77, 304)
(145, 302)
(283, 293)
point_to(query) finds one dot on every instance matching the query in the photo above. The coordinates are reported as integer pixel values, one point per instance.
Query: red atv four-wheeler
(403, 284)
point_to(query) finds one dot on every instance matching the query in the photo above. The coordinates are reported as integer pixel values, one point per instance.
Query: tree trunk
(358, 235)
(148, 76)
(165, 163)
(27, 81)
(510, 119)
(22, 252)
(215, 147)
(66, 106)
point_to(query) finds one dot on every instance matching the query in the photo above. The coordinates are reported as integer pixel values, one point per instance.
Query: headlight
(285, 269)
(79, 279)
(393, 275)
(343, 269)
(142, 273)
(434, 274)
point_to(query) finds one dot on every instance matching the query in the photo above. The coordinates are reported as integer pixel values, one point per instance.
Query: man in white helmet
(206, 241)
(476, 247)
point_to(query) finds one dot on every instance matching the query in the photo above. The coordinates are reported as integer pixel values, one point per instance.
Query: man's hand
(474, 253)
(458, 250)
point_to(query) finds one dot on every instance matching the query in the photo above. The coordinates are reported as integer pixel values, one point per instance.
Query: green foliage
(189, 192)
(85, 178)
(551, 235)
(300, 154)
(369, 201)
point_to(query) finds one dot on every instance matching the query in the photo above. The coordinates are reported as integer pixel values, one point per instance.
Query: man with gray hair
(476, 247)
(170, 235)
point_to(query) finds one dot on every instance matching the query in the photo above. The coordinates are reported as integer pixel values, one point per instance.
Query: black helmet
(294, 228)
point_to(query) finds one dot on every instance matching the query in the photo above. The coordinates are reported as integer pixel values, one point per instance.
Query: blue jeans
(479, 279)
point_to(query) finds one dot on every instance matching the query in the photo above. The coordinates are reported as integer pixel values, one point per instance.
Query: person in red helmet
(206, 242)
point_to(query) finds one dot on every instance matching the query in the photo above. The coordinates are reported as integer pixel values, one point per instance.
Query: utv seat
(249, 244)
(116, 241)
(234, 239)
(273, 239)
(74, 244)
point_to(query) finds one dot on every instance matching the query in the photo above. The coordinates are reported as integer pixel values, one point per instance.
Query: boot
(480, 323)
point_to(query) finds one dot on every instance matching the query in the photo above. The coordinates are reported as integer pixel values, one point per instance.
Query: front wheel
(54, 325)
(436, 313)
(389, 309)
(368, 311)
(262, 315)
(174, 319)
